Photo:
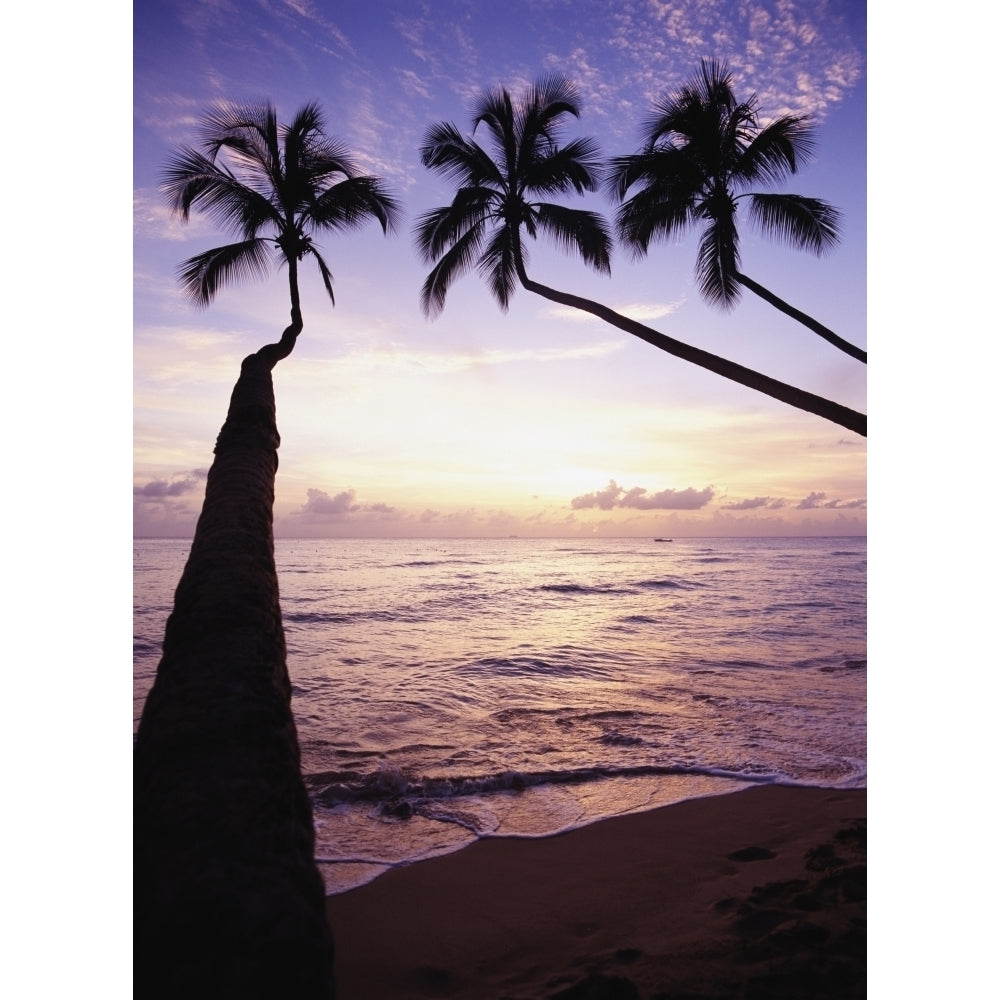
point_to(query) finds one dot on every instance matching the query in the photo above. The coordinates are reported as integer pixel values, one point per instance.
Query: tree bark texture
(228, 900)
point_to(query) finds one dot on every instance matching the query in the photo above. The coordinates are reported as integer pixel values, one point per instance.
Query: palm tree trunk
(799, 398)
(228, 900)
(803, 318)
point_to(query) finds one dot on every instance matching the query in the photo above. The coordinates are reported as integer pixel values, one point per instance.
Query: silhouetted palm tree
(482, 226)
(496, 199)
(228, 900)
(702, 151)
(273, 186)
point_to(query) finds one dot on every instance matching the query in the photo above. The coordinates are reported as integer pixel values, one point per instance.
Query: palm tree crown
(498, 187)
(703, 149)
(271, 185)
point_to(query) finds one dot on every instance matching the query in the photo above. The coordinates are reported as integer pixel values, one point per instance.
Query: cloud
(162, 489)
(641, 312)
(639, 498)
(413, 84)
(403, 358)
(798, 56)
(811, 502)
(168, 508)
(320, 503)
(753, 504)
(818, 500)
(605, 499)
(859, 504)
(689, 499)
(153, 219)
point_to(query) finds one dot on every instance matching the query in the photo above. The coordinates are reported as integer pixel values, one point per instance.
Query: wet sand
(758, 894)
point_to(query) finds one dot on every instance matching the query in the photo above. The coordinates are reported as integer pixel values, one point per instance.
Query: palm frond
(576, 166)
(498, 266)
(804, 223)
(440, 228)
(673, 170)
(464, 253)
(325, 272)
(777, 150)
(624, 172)
(311, 160)
(352, 203)
(552, 98)
(496, 110)
(669, 186)
(193, 181)
(202, 276)
(715, 86)
(249, 134)
(229, 118)
(446, 151)
(718, 263)
(308, 121)
(575, 229)
(540, 118)
(696, 111)
(324, 160)
(653, 214)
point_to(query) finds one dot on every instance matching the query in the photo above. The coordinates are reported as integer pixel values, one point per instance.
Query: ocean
(448, 690)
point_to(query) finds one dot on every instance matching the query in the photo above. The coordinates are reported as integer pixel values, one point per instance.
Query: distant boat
(662, 539)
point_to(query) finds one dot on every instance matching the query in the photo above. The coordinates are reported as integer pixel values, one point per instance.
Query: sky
(542, 421)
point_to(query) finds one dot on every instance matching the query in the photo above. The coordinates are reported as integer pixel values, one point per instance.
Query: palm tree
(276, 185)
(495, 201)
(702, 150)
(228, 900)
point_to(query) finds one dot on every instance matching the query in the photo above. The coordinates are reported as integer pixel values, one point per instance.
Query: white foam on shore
(356, 843)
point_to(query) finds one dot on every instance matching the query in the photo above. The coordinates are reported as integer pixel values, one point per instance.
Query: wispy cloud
(641, 312)
(413, 84)
(444, 362)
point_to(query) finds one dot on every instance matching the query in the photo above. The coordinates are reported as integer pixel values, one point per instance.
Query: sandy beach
(756, 894)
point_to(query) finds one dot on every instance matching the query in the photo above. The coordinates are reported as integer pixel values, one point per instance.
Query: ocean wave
(408, 615)
(401, 794)
(518, 666)
(579, 588)
(796, 606)
(846, 665)
(668, 584)
(424, 563)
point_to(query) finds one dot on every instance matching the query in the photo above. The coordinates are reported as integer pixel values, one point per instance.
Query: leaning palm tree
(702, 152)
(499, 199)
(228, 900)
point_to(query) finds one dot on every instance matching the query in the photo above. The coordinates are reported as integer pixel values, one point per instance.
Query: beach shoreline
(756, 893)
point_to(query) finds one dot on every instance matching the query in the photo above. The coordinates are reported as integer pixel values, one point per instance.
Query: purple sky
(540, 421)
